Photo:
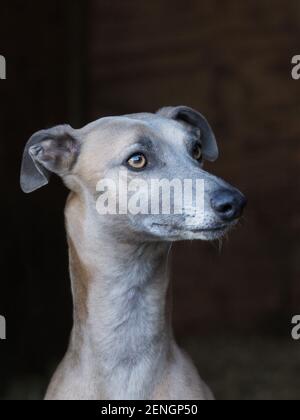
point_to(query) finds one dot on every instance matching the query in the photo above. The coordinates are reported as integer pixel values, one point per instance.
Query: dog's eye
(137, 161)
(197, 152)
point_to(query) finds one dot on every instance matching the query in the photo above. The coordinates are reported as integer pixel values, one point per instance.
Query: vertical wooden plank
(76, 20)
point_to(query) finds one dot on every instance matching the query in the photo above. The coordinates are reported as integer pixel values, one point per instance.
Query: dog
(122, 345)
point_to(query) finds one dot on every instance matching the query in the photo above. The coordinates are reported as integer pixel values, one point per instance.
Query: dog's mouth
(209, 233)
(191, 228)
(210, 230)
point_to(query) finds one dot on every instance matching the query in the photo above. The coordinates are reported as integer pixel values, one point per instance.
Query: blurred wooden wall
(231, 61)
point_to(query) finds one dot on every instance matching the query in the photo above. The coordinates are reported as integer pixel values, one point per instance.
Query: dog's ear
(48, 151)
(194, 118)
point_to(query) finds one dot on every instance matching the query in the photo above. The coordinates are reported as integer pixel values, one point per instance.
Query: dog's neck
(121, 300)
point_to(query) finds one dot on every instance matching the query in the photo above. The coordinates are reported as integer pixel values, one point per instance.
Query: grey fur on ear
(194, 118)
(48, 151)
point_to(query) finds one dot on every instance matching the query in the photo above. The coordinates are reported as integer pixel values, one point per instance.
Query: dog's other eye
(197, 152)
(137, 161)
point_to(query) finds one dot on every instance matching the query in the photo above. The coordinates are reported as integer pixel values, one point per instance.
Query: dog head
(140, 174)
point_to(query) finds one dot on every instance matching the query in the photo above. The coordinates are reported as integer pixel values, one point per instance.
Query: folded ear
(48, 151)
(194, 118)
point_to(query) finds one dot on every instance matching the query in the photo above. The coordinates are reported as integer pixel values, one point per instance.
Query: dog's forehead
(130, 128)
(164, 128)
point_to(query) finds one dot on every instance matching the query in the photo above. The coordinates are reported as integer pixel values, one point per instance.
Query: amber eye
(197, 152)
(137, 161)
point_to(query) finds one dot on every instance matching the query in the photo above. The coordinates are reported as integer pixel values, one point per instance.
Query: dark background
(75, 61)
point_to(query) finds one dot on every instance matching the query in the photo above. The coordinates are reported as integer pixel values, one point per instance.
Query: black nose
(228, 204)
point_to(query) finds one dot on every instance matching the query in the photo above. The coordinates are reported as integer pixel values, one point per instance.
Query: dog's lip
(189, 228)
(214, 229)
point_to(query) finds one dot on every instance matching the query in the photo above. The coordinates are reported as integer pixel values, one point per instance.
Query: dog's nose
(228, 204)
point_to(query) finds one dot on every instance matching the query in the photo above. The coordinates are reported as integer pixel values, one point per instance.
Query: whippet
(122, 345)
